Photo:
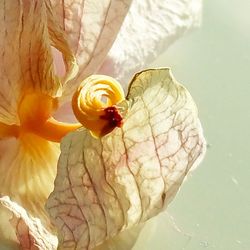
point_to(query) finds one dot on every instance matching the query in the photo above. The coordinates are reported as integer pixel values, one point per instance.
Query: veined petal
(27, 172)
(30, 233)
(26, 62)
(123, 241)
(91, 28)
(108, 185)
(148, 29)
(59, 41)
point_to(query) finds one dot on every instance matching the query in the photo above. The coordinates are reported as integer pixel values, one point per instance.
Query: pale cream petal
(59, 41)
(123, 241)
(108, 185)
(149, 28)
(26, 62)
(27, 172)
(91, 28)
(8, 239)
(30, 233)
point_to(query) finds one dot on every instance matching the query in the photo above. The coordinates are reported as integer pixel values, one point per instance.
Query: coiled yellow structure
(94, 104)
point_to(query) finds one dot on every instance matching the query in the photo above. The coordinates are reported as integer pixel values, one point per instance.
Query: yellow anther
(94, 104)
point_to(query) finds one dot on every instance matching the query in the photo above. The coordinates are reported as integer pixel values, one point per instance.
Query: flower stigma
(96, 104)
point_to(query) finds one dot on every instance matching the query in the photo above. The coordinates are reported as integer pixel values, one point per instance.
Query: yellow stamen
(34, 112)
(94, 105)
(8, 130)
(91, 101)
(52, 130)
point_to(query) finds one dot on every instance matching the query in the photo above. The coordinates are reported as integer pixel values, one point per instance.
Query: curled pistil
(95, 104)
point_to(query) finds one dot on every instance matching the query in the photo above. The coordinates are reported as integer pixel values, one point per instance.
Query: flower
(113, 184)
(32, 91)
(33, 88)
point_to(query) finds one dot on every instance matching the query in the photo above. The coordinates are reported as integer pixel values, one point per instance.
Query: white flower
(47, 48)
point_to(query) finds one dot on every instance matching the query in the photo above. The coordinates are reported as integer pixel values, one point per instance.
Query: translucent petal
(27, 172)
(123, 241)
(26, 62)
(30, 233)
(108, 185)
(91, 28)
(149, 28)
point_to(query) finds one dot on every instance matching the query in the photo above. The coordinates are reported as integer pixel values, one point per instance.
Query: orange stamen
(94, 105)
(8, 130)
(53, 130)
(35, 117)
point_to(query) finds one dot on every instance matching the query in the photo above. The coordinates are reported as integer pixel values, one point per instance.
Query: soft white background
(212, 209)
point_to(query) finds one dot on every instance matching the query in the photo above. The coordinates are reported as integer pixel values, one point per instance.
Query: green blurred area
(212, 209)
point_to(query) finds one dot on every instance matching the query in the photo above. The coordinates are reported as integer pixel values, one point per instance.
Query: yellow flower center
(94, 105)
(34, 113)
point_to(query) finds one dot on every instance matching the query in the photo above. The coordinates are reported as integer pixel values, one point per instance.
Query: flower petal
(58, 40)
(123, 241)
(26, 62)
(108, 185)
(148, 29)
(29, 231)
(91, 28)
(27, 172)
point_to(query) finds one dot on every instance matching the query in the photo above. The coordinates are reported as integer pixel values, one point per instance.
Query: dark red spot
(113, 117)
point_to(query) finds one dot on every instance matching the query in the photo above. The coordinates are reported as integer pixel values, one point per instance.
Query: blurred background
(212, 209)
